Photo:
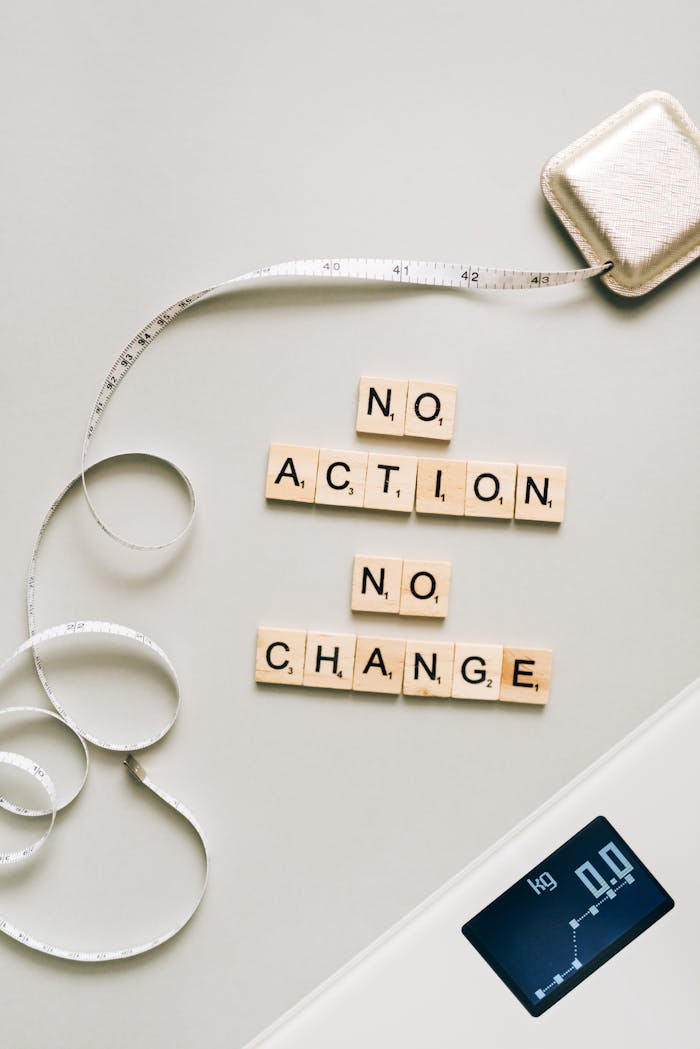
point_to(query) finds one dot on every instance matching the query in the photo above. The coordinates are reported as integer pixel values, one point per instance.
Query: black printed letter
(496, 487)
(542, 496)
(288, 471)
(518, 673)
(343, 484)
(331, 659)
(383, 408)
(387, 473)
(416, 407)
(479, 675)
(432, 585)
(375, 660)
(367, 575)
(276, 666)
(431, 671)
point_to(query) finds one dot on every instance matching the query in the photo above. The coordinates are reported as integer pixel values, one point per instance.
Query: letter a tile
(379, 665)
(291, 473)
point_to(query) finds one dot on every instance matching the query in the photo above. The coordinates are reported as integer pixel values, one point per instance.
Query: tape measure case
(628, 192)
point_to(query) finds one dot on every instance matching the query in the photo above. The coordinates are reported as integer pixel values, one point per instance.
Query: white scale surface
(423, 984)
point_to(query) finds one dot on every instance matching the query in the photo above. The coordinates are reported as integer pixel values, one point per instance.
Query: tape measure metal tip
(134, 768)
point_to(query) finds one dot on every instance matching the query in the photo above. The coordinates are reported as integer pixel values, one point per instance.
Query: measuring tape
(41, 777)
(395, 271)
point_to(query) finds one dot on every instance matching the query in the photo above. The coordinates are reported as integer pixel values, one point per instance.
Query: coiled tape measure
(610, 258)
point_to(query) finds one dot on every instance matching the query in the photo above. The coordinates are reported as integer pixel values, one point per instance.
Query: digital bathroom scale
(579, 928)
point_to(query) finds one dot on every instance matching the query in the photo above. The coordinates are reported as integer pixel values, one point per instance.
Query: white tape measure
(43, 779)
(396, 271)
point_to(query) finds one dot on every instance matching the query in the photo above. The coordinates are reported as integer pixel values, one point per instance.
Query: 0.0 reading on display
(564, 919)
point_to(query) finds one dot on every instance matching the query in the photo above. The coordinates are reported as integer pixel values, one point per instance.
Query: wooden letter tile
(381, 406)
(527, 673)
(376, 584)
(490, 490)
(425, 588)
(541, 493)
(428, 670)
(279, 656)
(291, 473)
(477, 673)
(330, 660)
(440, 488)
(341, 478)
(391, 482)
(430, 410)
(379, 665)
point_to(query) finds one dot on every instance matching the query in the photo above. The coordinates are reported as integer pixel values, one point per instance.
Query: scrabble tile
(526, 675)
(381, 406)
(477, 671)
(440, 486)
(425, 588)
(376, 584)
(279, 656)
(379, 663)
(540, 494)
(330, 660)
(428, 669)
(490, 490)
(391, 482)
(430, 410)
(340, 480)
(291, 473)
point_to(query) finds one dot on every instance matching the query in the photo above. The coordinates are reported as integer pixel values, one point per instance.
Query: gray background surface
(152, 149)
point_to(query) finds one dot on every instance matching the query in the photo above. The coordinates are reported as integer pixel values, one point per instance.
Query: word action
(401, 408)
(390, 666)
(407, 588)
(381, 481)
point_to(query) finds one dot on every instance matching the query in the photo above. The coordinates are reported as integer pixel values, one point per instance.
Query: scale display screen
(564, 919)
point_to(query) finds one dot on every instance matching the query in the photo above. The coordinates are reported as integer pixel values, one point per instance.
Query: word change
(389, 665)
